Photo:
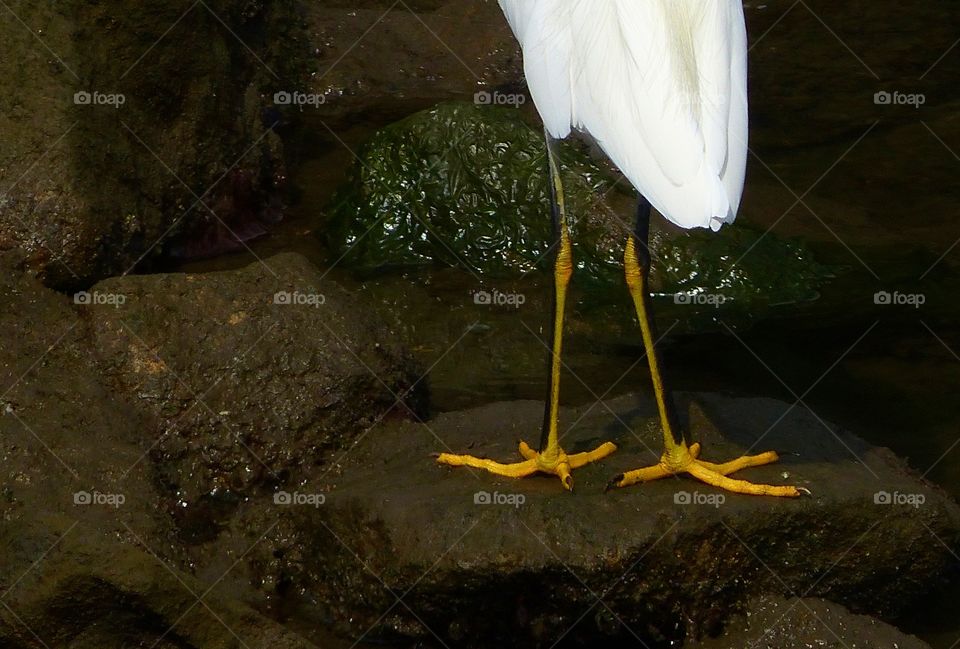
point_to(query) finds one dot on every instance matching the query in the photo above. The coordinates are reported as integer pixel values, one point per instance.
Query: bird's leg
(677, 457)
(550, 458)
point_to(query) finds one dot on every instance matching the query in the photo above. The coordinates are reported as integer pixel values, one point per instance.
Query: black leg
(557, 220)
(641, 234)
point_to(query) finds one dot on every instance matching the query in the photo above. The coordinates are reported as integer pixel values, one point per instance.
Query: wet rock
(96, 591)
(112, 492)
(800, 623)
(118, 120)
(66, 439)
(377, 53)
(404, 548)
(465, 185)
(255, 375)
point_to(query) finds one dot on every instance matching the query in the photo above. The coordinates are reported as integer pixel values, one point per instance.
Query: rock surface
(117, 121)
(801, 623)
(96, 591)
(108, 486)
(402, 547)
(61, 430)
(377, 52)
(255, 374)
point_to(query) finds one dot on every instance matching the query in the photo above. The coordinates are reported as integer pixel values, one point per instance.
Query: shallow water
(871, 187)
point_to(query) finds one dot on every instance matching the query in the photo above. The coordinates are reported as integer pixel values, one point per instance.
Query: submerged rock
(465, 185)
(254, 374)
(405, 548)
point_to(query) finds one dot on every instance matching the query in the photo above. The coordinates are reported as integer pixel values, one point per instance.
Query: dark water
(872, 187)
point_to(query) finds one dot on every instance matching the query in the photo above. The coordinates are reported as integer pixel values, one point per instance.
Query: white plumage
(660, 84)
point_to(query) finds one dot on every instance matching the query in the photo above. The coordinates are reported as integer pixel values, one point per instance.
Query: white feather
(661, 86)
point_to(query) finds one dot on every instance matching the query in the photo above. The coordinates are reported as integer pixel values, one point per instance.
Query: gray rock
(401, 549)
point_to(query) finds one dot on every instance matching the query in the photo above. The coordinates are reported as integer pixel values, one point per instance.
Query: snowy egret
(661, 86)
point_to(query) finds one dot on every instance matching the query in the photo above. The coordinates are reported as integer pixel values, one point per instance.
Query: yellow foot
(712, 474)
(557, 463)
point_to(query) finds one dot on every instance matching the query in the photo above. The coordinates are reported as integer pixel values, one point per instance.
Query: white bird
(661, 86)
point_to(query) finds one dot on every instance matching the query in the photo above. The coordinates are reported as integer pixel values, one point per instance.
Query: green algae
(466, 186)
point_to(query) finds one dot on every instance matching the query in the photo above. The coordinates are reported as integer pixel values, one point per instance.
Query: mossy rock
(464, 185)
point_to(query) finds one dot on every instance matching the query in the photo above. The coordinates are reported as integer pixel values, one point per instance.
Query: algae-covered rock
(739, 266)
(466, 185)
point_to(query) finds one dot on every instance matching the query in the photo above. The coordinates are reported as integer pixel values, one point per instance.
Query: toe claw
(614, 482)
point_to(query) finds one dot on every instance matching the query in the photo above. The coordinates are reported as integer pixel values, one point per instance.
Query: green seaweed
(465, 185)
